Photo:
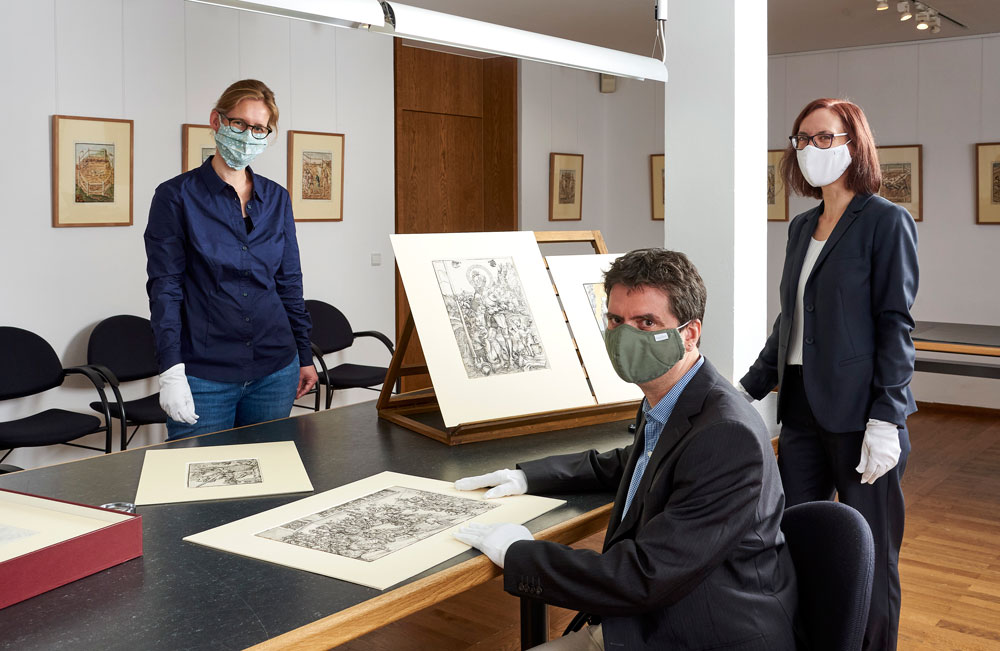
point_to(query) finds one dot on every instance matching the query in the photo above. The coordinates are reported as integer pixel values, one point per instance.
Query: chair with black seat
(29, 366)
(331, 332)
(123, 350)
(834, 556)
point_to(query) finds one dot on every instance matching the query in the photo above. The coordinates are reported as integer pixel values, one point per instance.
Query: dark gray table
(183, 596)
(959, 338)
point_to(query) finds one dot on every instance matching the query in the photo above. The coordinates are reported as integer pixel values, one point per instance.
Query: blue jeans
(224, 405)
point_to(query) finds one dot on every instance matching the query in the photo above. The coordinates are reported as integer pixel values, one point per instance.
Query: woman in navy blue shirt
(225, 283)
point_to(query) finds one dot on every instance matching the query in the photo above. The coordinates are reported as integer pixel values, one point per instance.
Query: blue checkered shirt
(656, 418)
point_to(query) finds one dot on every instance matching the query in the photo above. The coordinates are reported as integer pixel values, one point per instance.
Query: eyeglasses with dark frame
(820, 140)
(239, 126)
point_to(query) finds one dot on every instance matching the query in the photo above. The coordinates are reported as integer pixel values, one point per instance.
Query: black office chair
(29, 366)
(834, 556)
(122, 349)
(332, 332)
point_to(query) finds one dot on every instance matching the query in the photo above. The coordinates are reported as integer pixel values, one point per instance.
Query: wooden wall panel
(500, 144)
(436, 82)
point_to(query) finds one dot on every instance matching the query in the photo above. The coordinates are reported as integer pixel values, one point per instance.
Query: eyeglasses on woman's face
(820, 140)
(258, 131)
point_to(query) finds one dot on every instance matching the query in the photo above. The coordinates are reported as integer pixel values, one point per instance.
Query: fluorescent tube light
(444, 29)
(341, 13)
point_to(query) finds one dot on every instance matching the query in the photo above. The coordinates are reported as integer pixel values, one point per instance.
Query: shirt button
(809, 308)
(247, 319)
(245, 294)
(246, 273)
(244, 248)
(249, 343)
(809, 340)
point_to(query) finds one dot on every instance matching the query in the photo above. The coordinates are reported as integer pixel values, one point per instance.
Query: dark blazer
(857, 355)
(699, 561)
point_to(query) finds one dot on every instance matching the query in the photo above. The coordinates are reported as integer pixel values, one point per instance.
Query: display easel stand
(419, 410)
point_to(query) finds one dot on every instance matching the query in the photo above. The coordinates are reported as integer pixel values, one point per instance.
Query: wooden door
(456, 152)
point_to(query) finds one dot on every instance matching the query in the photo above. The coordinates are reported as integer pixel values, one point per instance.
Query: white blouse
(795, 340)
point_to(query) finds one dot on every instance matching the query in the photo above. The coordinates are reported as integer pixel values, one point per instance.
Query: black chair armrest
(377, 335)
(111, 379)
(98, 381)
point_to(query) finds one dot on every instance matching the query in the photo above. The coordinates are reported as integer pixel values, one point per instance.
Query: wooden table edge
(964, 349)
(388, 607)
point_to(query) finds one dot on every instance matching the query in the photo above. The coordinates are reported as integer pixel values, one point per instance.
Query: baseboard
(966, 409)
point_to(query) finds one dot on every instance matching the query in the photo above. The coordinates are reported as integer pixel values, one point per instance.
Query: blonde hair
(248, 89)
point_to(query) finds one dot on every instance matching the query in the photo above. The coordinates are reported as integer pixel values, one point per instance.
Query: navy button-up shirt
(226, 303)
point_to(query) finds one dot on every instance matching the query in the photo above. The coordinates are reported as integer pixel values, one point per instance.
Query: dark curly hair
(669, 271)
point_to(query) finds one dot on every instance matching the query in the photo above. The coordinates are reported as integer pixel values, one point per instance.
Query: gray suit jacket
(699, 561)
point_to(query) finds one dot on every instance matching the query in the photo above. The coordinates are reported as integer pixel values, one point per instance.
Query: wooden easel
(405, 408)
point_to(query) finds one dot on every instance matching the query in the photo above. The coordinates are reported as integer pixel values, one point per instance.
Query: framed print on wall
(658, 187)
(988, 183)
(565, 187)
(777, 195)
(197, 144)
(316, 175)
(91, 171)
(901, 177)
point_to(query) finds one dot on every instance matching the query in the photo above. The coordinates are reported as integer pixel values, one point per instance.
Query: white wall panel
(314, 76)
(212, 51)
(869, 77)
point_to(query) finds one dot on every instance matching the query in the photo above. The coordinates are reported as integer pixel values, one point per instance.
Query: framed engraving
(565, 187)
(316, 175)
(91, 171)
(658, 185)
(197, 144)
(902, 177)
(777, 195)
(988, 183)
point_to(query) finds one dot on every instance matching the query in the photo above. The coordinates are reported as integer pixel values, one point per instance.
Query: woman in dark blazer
(840, 350)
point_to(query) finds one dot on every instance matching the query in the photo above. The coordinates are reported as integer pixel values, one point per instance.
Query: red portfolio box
(46, 543)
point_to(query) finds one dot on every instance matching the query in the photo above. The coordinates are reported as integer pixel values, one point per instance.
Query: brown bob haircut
(248, 89)
(864, 176)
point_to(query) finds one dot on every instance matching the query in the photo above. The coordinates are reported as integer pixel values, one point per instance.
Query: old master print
(897, 184)
(490, 316)
(232, 472)
(770, 185)
(379, 524)
(317, 175)
(95, 172)
(567, 186)
(995, 195)
(598, 299)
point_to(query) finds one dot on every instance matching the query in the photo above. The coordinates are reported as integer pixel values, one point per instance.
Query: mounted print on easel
(491, 329)
(580, 281)
(91, 171)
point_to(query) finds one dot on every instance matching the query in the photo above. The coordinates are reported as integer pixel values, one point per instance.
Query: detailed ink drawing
(598, 299)
(897, 182)
(375, 525)
(231, 472)
(490, 316)
(10, 533)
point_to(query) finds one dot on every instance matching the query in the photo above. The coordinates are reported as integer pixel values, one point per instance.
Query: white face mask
(821, 167)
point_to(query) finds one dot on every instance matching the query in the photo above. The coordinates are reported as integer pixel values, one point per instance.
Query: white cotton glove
(879, 451)
(744, 392)
(493, 539)
(175, 395)
(506, 482)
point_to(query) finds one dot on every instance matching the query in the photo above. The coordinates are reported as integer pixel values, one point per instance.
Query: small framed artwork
(197, 144)
(316, 175)
(91, 171)
(658, 185)
(565, 187)
(777, 195)
(901, 177)
(988, 183)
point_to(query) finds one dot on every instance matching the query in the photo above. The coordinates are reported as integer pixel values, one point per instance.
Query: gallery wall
(163, 63)
(941, 94)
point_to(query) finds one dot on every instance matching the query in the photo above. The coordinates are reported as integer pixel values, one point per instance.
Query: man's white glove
(175, 395)
(506, 482)
(493, 539)
(879, 451)
(744, 392)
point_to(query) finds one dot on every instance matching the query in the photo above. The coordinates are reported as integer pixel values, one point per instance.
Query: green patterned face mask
(639, 356)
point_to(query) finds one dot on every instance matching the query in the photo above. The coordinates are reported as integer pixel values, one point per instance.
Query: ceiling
(793, 25)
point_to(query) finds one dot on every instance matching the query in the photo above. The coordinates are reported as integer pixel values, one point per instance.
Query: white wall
(561, 110)
(162, 63)
(943, 95)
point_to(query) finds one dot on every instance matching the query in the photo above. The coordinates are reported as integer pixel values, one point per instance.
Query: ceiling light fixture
(923, 20)
(904, 10)
(339, 13)
(935, 24)
(881, 5)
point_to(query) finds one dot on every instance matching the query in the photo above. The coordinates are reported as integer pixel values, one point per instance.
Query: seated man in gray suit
(693, 557)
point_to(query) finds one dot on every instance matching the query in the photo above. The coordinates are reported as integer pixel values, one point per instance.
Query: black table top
(956, 333)
(179, 595)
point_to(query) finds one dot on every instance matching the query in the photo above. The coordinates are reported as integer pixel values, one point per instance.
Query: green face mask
(639, 356)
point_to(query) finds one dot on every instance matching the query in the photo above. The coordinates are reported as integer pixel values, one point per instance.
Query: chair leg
(329, 396)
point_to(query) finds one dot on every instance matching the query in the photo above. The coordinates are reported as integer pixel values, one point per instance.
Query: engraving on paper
(490, 316)
(317, 175)
(206, 153)
(995, 195)
(897, 182)
(770, 185)
(598, 299)
(231, 472)
(567, 186)
(379, 524)
(95, 172)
